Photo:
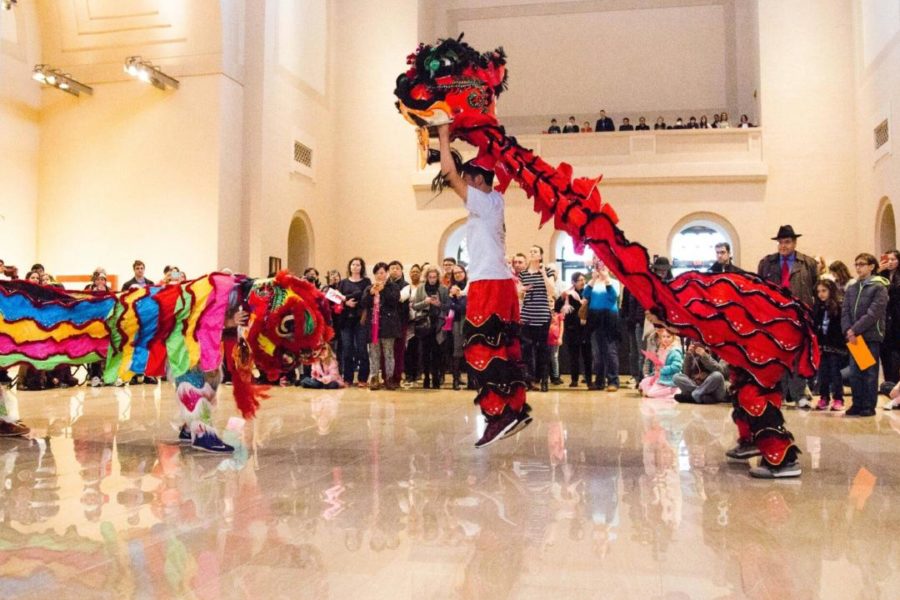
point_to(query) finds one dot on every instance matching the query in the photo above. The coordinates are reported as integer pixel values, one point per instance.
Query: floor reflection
(346, 494)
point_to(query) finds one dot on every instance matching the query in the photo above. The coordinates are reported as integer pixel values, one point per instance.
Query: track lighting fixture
(147, 72)
(55, 78)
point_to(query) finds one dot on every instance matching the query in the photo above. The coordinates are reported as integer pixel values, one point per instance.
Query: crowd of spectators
(605, 123)
(401, 329)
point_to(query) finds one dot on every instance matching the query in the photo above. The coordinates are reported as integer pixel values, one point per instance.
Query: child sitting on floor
(325, 374)
(662, 366)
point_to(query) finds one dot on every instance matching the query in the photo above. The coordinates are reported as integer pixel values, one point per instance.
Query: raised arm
(448, 169)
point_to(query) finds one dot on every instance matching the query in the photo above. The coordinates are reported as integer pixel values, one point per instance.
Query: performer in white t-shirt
(492, 314)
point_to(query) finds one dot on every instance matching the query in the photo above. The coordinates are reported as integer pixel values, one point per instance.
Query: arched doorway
(693, 239)
(300, 243)
(453, 243)
(887, 227)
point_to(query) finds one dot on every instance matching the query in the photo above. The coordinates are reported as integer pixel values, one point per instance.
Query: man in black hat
(798, 273)
(789, 268)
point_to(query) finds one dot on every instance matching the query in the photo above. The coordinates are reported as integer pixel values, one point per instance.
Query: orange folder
(861, 353)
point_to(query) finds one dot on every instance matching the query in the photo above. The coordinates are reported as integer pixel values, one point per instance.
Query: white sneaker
(767, 471)
(804, 403)
(95, 382)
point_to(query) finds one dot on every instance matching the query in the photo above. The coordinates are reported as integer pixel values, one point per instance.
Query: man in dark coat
(723, 262)
(604, 123)
(789, 268)
(797, 273)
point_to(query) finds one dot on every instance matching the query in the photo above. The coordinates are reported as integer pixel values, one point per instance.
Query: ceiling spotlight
(147, 72)
(54, 77)
(8, 4)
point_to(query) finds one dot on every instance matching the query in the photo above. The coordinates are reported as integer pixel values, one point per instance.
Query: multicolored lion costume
(172, 330)
(758, 328)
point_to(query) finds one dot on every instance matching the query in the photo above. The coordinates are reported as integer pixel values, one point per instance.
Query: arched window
(693, 245)
(568, 262)
(455, 244)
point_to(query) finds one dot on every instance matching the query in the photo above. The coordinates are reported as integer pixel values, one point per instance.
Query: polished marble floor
(358, 494)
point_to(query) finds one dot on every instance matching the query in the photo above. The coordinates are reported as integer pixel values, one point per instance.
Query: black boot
(574, 382)
(427, 383)
(544, 384)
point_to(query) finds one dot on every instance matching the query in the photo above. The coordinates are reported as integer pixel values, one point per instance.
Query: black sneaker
(497, 427)
(523, 420)
(682, 397)
(210, 442)
(10, 429)
(743, 452)
(184, 435)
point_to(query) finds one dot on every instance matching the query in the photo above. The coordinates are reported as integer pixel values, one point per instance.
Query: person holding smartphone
(603, 323)
(431, 304)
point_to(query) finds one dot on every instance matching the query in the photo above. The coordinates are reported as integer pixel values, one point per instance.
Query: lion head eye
(286, 327)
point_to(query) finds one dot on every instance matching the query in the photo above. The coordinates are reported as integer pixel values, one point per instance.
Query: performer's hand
(851, 336)
(241, 317)
(351, 302)
(699, 350)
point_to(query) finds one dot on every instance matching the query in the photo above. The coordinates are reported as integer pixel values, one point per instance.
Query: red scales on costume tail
(758, 328)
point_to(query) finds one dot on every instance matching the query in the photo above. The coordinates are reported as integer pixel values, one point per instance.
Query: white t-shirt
(486, 236)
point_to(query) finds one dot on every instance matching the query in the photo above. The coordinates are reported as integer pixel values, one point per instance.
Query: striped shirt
(536, 306)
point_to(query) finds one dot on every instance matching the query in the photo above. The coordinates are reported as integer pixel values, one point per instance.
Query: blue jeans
(831, 384)
(354, 353)
(864, 384)
(605, 350)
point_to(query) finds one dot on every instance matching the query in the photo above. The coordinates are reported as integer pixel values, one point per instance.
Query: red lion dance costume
(758, 328)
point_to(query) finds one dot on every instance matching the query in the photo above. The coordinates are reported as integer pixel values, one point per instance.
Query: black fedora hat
(786, 231)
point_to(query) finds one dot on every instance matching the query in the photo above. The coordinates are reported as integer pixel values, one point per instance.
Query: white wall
(289, 99)
(623, 61)
(131, 173)
(879, 98)
(807, 67)
(375, 209)
(19, 136)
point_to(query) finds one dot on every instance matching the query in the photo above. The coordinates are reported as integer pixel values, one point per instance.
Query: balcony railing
(637, 157)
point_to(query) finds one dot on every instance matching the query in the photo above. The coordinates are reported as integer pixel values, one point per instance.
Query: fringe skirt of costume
(493, 350)
(757, 414)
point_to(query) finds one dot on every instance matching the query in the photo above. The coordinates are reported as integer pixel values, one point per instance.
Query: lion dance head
(450, 83)
(286, 327)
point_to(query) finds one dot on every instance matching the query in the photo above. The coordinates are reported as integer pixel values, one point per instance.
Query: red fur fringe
(247, 395)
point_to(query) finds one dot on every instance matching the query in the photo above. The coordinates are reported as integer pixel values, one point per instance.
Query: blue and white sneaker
(210, 442)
